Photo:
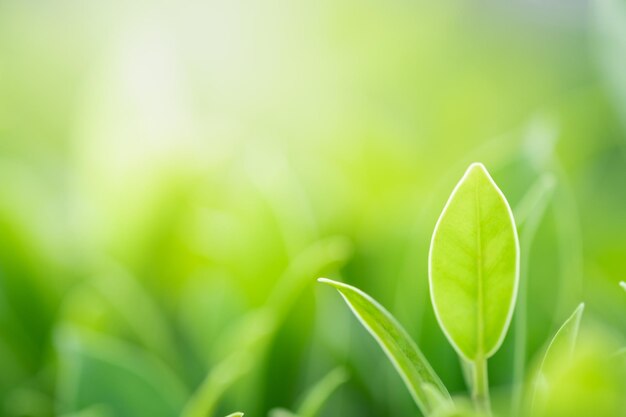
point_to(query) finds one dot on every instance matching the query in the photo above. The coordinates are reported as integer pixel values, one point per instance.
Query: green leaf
(246, 343)
(563, 342)
(319, 394)
(474, 266)
(531, 208)
(203, 402)
(395, 342)
(529, 213)
(316, 397)
(589, 382)
(237, 414)
(559, 350)
(95, 370)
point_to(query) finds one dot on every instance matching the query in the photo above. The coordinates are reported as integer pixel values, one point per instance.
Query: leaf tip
(477, 167)
(327, 281)
(578, 313)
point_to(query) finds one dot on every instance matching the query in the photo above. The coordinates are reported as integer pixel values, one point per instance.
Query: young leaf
(237, 414)
(563, 341)
(561, 344)
(395, 342)
(318, 395)
(204, 400)
(474, 266)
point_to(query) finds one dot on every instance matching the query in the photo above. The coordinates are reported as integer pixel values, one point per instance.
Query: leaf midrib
(479, 285)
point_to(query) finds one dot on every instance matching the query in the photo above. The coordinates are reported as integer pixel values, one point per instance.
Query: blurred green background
(175, 175)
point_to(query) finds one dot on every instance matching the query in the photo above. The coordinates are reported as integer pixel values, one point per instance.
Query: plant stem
(480, 391)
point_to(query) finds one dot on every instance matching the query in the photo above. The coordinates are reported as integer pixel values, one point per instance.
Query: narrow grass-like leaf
(237, 414)
(395, 342)
(529, 213)
(532, 205)
(563, 341)
(316, 397)
(249, 338)
(474, 266)
(205, 399)
(319, 394)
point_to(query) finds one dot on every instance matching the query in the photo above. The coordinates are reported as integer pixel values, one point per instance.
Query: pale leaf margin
(565, 336)
(321, 392)
(507, 322)
(564, 339)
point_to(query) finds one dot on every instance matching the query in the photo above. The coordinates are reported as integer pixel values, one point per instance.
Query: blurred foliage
(169, 168)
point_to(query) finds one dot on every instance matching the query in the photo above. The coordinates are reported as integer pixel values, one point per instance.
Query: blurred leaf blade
(533, 204)
(246, 343)
(563, 341)
(528, 214)
(319, 257)
(99, 370)
(559, 350)
(320, 392)
(204, 400)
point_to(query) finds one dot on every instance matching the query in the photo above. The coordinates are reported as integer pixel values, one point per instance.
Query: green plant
(474, 274)
(562, 343)
(315, 398)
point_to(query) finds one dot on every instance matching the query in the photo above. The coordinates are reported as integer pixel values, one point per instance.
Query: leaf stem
(480, 388)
